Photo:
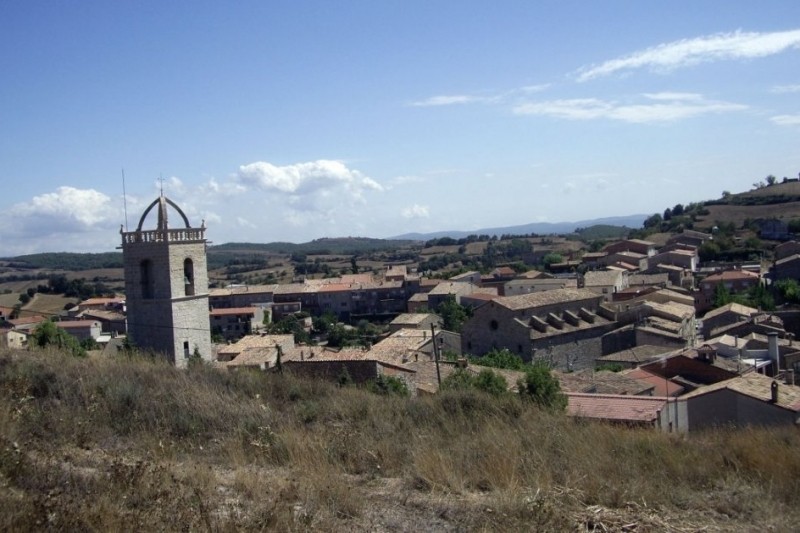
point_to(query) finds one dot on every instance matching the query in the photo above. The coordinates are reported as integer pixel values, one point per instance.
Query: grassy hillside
(108, 444)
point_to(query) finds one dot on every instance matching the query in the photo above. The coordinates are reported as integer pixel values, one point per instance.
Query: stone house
(562, 326)
(420, 321)
(527, 286)
(606, 282)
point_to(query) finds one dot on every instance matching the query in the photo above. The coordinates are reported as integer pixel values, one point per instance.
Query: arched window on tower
(188, 277)
(146, 278)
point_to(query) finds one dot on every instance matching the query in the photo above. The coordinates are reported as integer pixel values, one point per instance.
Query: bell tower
(166, 286)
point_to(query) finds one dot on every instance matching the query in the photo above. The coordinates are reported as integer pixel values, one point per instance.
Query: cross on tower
(161, 181)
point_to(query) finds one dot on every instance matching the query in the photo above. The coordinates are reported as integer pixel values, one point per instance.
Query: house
(235, 322)
(786, 249)
(82, 329)
(259, 350)
(686, 259)
(562, 326)
(526, 286)
(446, 289)
(639, 411)
(638, 246)
(690, 237)
(421, 321)
(726, 315)
(591, 381)
(635, 356)
(606, 282)
(396, 273)
(593, 259)
(26, 323)
(13, 339)
(627, 260)
(734, 281)
(786, 268)
(748, 400)
(111, 321)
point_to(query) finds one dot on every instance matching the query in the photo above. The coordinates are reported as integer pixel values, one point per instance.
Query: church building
(166, 286)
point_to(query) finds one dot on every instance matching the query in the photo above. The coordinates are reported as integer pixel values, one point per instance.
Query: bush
(540, 387)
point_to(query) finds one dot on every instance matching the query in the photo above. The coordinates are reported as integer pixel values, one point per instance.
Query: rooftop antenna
(124, 200)
(161, 181)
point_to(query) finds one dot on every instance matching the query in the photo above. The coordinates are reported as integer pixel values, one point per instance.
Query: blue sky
(289, 121)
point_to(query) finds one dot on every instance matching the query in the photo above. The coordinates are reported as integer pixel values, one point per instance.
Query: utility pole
(436, 355)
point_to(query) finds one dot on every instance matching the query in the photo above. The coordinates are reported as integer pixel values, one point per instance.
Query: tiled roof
(733, 275)
(101, 301)
(600, 278)
(637, 354)
(75, 324)
(452, 287)
(258, 341)
(600, 382)
(756, 386)
(538, 299)
(661, 386)
(735, 308)
(411, 318)
(617, 408)
(233, 311)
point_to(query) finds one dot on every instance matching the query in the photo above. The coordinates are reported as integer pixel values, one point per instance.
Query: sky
(296, 120)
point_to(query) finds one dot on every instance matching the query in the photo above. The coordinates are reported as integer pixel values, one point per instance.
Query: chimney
(790, 376)
(772, 339)
(461, 362)
(774, 391)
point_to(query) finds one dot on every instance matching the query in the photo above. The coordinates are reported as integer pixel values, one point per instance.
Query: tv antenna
(124, 200)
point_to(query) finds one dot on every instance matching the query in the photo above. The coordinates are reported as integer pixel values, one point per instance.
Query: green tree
(540, 387)
(491, 382)
(789, 289)
(722, 295)
(49, 334)
(502, 358)
(551, 258)
(388, 386)
(453, 314)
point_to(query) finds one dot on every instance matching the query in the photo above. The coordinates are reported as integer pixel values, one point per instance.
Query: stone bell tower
(166, 286)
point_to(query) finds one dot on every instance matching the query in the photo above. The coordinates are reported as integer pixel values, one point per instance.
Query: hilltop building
(166, 286)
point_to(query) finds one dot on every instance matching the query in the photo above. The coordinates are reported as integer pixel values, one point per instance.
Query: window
(188, 277)
(146, 279)
(493, 325)
(186, 349)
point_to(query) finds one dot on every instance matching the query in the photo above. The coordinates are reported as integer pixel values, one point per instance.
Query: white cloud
(69, 207)
(779, 89)
(442, 100)
(306, 178)
(660, 107)
(243, 222)
(786, 120)
(461, 99)
(416, 211)
(686, 52)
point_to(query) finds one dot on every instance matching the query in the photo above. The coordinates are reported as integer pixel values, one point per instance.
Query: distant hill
(539, 228)
(327, 246)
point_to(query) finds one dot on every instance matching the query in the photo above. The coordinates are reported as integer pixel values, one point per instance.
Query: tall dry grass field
(131, 443)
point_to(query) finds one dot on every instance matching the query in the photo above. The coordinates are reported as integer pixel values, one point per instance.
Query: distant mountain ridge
(540, 228)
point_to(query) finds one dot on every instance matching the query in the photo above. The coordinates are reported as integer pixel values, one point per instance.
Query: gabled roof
(601, 278)
(233, 311)
(733, 275)
(756, 386)
(539, 299)
(737, 309)
(615, 408)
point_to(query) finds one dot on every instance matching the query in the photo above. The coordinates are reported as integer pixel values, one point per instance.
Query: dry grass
(132, 443)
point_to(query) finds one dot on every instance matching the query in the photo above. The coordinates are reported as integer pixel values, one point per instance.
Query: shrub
(540, 387)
